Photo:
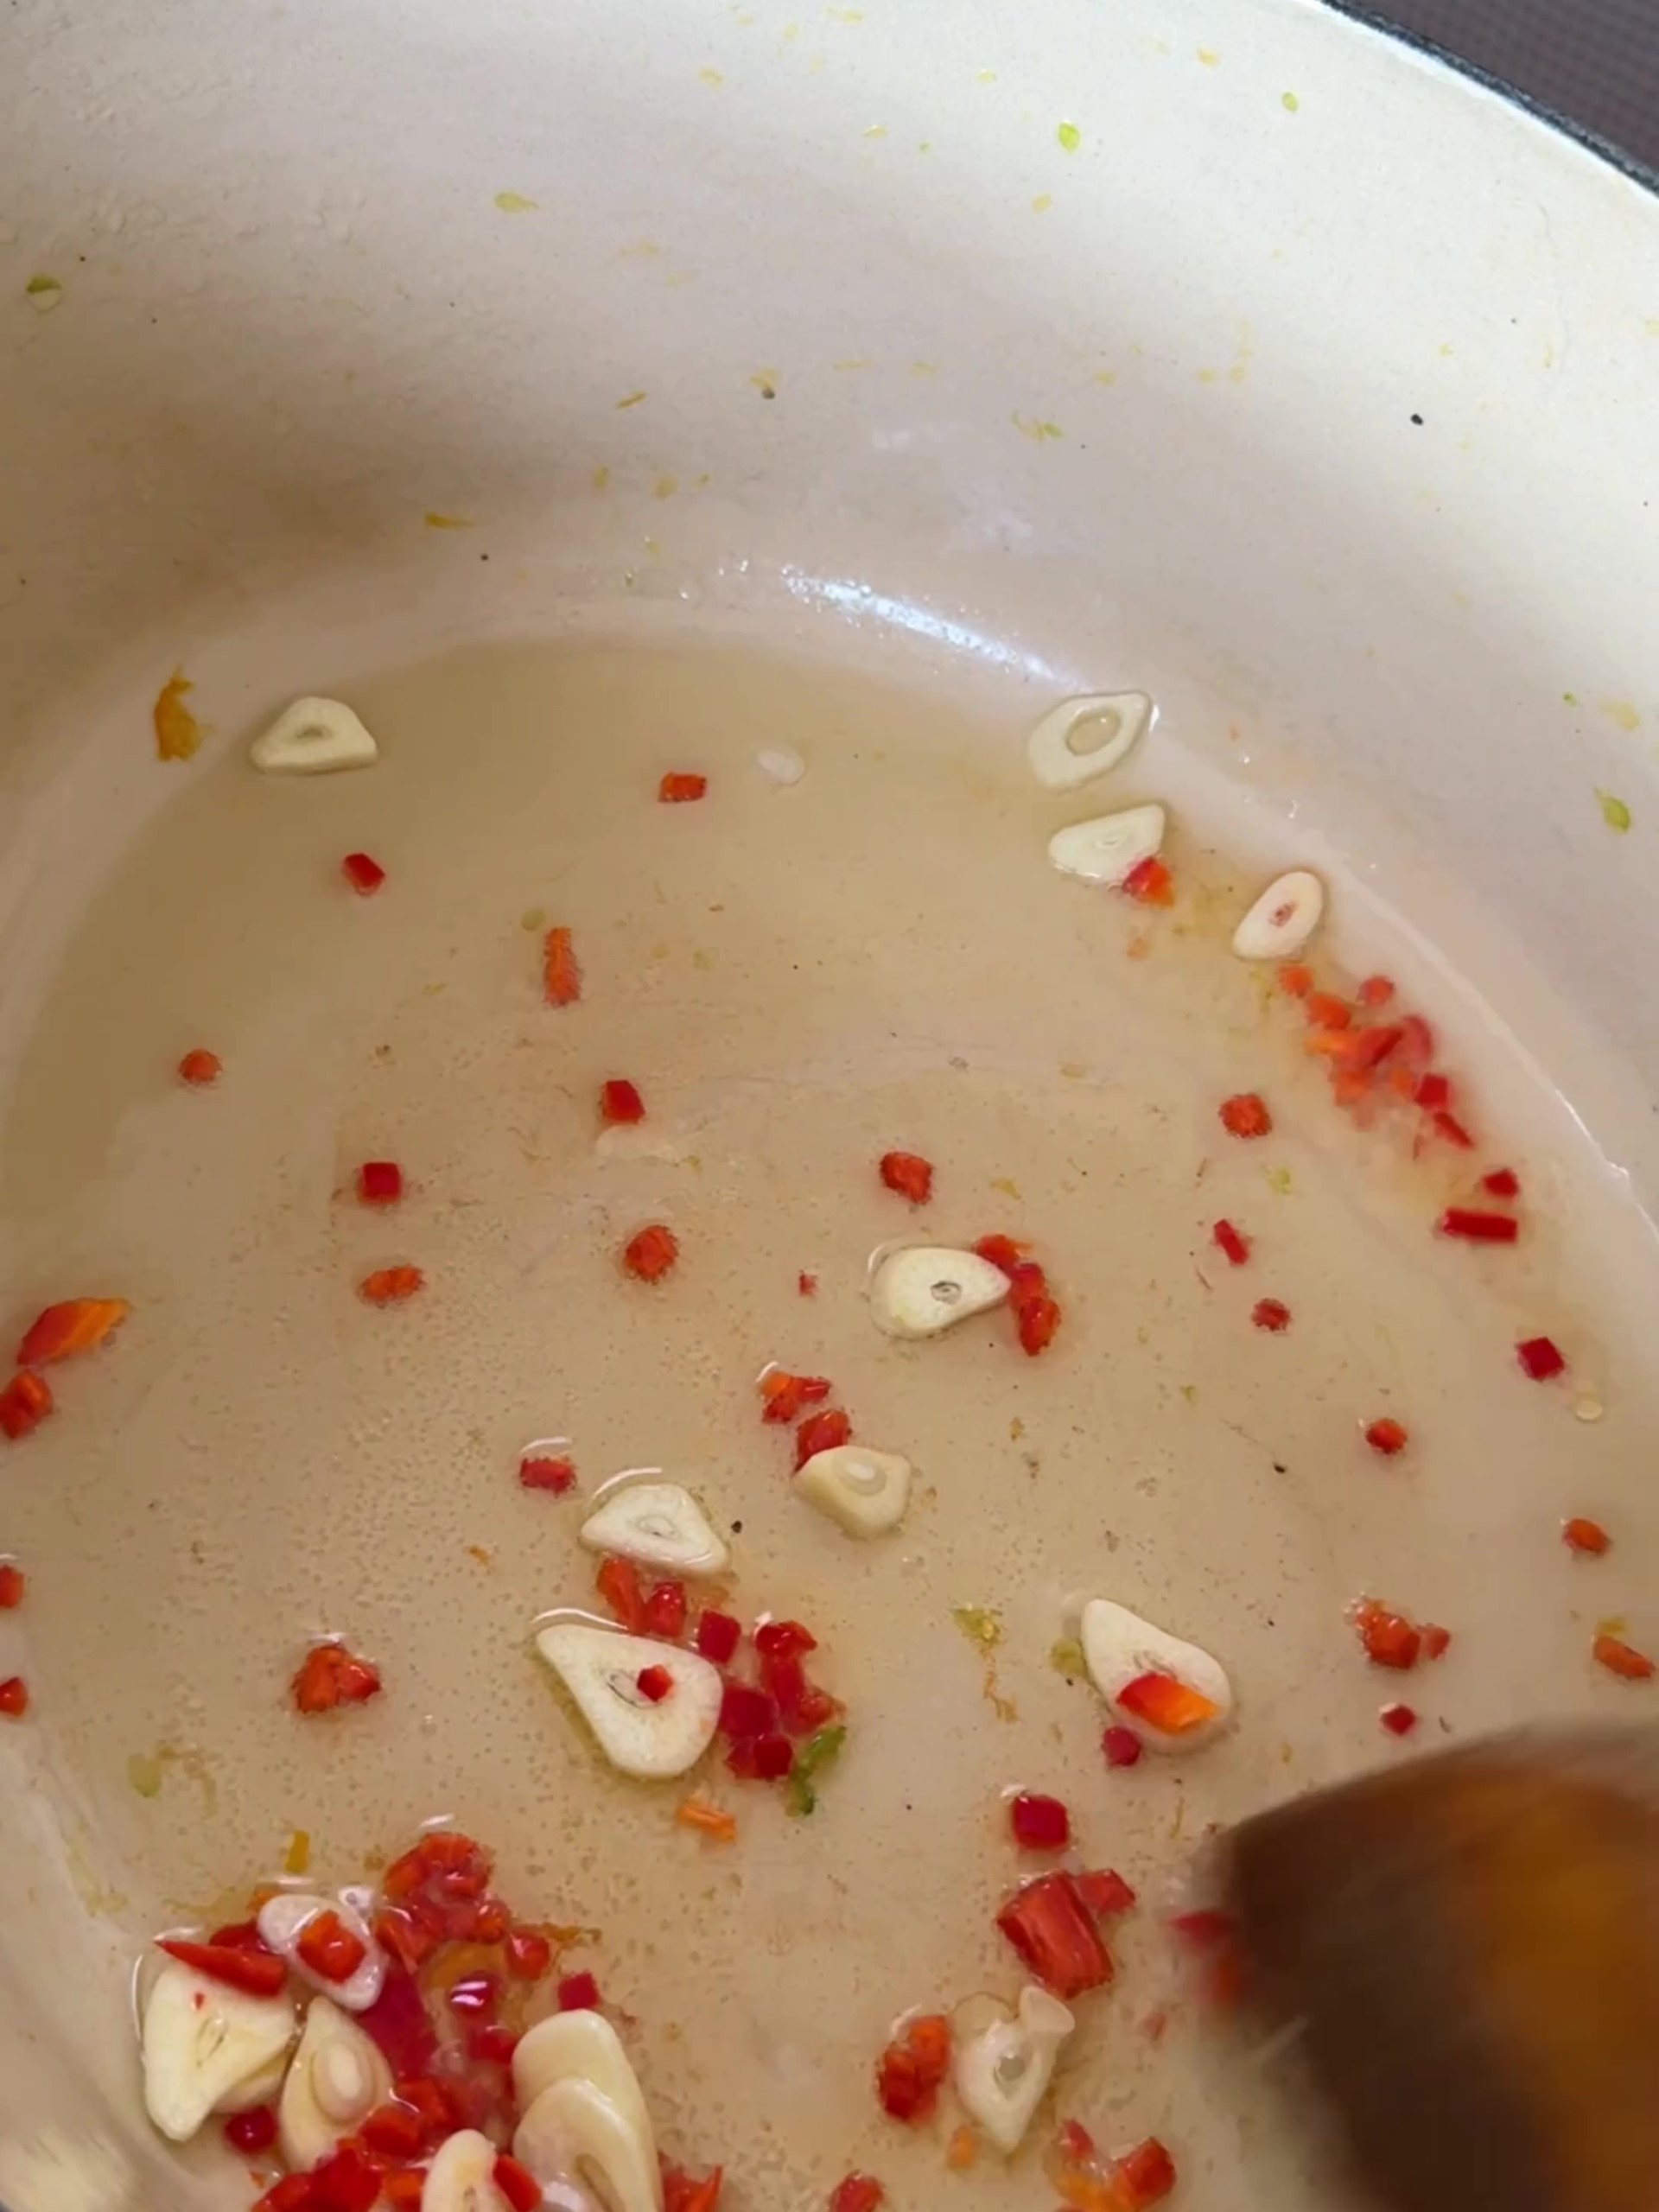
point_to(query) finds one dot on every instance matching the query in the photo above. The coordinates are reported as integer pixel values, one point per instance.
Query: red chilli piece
(807, 1285)
(291, 2194)
(329, 1947)
(1437, 1641)
(390, 1286)
(1433, 1092)
(380, 1182)
(330, 1676)
(1295, 980)
(365, 875)
(787, 1396)
(1449, 1127)
(1036, 1311)
(1388, 1437)
(821, 1431)
(1389, 1639)
(1144, 2175)
(578, 1992)
(1245, 1114)
(1398, 1720)
(909, 2070)
(1477, 1227)
(558, 1476)
(516, 2183)
(14, 1697)
(1622, 1659)
(681, 2193)
(909, 1174)
(1376, 990)
(77, 1325)
(1001, 1252)
(1105, 1892)
(345, 2182)
(1150, 883)
(857, 2193)
(561, 976)
(654, 1684)
(665, 1610)
(652, 1253)
(256, 1974)
(199, 1067)
(1271, 1313)
(13, 1583)
(1236, 1247)
(1502, 1183)
(745, 1713)
(1588, 1538)
(528, 1954)
(1123, 1746)
(1325, 1010)
(718, 1636)
(679, 789)
(252, 2130)
(1040, 1823)
(24, 1404)
(772, 1757)
(1052, 1930)
(1539, 1358)
(619, 1103)
(618, 1583)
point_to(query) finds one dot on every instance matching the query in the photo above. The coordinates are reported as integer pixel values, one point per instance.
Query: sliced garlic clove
(659, 1524)
(1282, 919)
(574, 2132)
(866, 1492)
(313, 737)
(462, 2176)
(599, 1667)
(925, 1288)
(1109, 848)
(282, 1921)
(578, 2046)
(1001, 2068)
(202, 2044)
(338, 2075)
(1084, 738)
(1119, 1647)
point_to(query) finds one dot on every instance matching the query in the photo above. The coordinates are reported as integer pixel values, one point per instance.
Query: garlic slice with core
(579, 2047)
(574, 2132)
(204, 2044)
(924, 1289)
(282, 1921)
(1282, 919)
(313, 737)
(601, 1668)
(1109, 848)
(1084, 738)
(462, 2176)
(659, 1524)
(1120, 1649)
(1001, 2068)
(864, 1491)
(338, 2075)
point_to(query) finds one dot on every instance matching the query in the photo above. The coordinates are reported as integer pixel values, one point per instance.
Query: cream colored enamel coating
(659, 1524)
(1283, 919)
(924, 1290)
(1118, 1646)
(600, 1667)
(204, 2044)
(283, 1919)
(337, 2075)
(462, 2176)
(1082, 738)
(574, 2132)
(313, 737)
(581, 2047)
(864, 1492)
(1109, 848)
(1001, 2065)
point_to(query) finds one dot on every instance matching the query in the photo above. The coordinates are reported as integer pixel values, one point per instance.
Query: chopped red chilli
(1052, 1928)
(1588, 1538)
(619, 1103)
(12, 1586)
(578, 1992)
(1123, 1746)
(821, 1431)
(651, 1253)
(330, 1676)
(1479, 1228)
(200, 1068)
(1502, 1183)
(380, 1182)
(1398, 1720)
(1236, 1247)
(1621, 1659)
(14, 1697)
(1040, 1823)
(1387, 1436)
(1150, 882)
(909, 1174)
(653, 1683)
(556, 1475)
(24, 1404)
(1540, 1359)
(1270, 1313)
(678, 789)
(1246, 1115)
(718, 1636)
(365, 875)
(910, 2071)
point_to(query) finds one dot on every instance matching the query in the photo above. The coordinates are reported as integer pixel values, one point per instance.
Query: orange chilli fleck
(652, 1253)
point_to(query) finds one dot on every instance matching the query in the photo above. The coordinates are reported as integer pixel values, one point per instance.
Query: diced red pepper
(807, 1285)
(561, 976)
(746, 1713)
(909, 1174)
(619, 1103)
(618, 1583)
(1502, 1183)
(1040, 1823)
(857, 2193)
(404, 2188)
(345, 2182)
(1001, 1252)
(665, 1610)
(1105, 1892)
(1271, 1313)
(516, 2183)
(1325, 1010)
(1365, 1049)
(578, 1992)
(529, 1954)
(821, 1431)
(784, 1639)
(1054, 1932)
(1449, 1127)
(396, 2130)
(365, 875)
(787, 1397)
(718, 1636)
(1123, 1746)
(401, 2027)
(256, 1974)
(1036, 1314)
(380, 1182)
(1235, 1246)
(1621, 1659)
(331, 1675)
(1170, 1706)
(13, 1583)
(24, 1404)
(390, 1286)
(1437, 1641)
(772, 1756)
(1478, 1228)
(329, 1947)
(678, 788)
(292, 2193)
(1389, 1639)
(1387, 1436)
(653, 1683)
(1294, 980)
(1398, 1720)
(1540, 1359)
(651, 1253)
(14, 1697)
(557, 1475)
(1246, 1115)
(1144, 2177)
(1432, 1093)
(1376, 990)
(401, 1934)
(77, 1326)
(199, 1068)
(1588, 1537)
(681, 2193)
(491, 2043)
(909, 2070)
(1150, 882)
(252, 2130)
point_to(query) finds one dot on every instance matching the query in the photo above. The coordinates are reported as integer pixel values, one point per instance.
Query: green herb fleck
(145, 1773)
(1069, 136)
(1614, 812)
(982, 1627)
(1571, 697)
(1279, 1179)
(1290, 101)
(514, 203)
(1066, 1658)
(1190, 1392)
(46, 292)
(817, 1752)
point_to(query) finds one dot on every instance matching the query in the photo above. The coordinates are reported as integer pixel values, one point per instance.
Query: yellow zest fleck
(145, 1773)
(178, 734)
(1190, 1392)
(707, 1819)
(962, 2150)
(1066, 1658)
(1029, 426)
(514, 203)
(533, 918)
(1571, 697)
(982, 1627)
(1210, 58)
(1106, 376)
(709, 77)
(985, 76)
(1007, 1184)
(766, 383)
(1042, 203)
(633, 400)
(1614, 812)
(45, 293)
(1622, 712)
(1069, 136)
(297, 1859)
(876, 130)
(448, 522)
(1279, 1180)
(601, 478)
(1288, 100)
(482, 1554)
(666, 486)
